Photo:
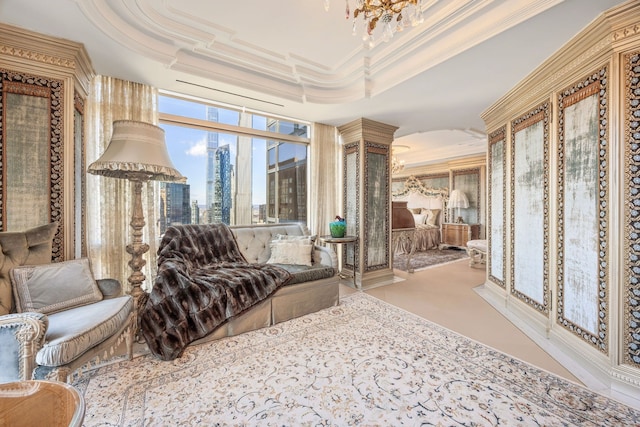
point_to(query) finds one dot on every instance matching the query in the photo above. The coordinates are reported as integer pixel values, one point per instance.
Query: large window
(241, 167)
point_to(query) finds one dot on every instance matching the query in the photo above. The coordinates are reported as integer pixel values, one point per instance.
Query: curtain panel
(325, 181)
(109, 200)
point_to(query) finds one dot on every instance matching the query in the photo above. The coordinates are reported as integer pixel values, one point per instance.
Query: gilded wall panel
(497, 216)
(582, 214)
(530, 208)
(631, 224)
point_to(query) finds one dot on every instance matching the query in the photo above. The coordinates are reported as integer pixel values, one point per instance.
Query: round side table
(335, 241)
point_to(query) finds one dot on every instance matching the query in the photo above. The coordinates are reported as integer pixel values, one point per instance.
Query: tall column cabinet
(367, 199)
(44, 83)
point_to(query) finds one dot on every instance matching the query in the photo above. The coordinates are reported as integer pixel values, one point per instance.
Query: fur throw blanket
(203, 280)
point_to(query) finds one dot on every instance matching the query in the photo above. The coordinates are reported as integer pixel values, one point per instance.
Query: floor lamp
(136, 152)
(457, 200)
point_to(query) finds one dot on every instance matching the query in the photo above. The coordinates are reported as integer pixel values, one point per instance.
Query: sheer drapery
(326, 178)
(109, 200)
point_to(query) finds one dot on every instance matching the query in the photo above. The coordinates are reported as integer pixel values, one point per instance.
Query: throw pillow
(419, 218)
(305, 239)
(50, 288)
(296, 252)
(431, 216)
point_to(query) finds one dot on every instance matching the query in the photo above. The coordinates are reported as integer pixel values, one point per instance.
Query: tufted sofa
(50, 346)
(311, 288)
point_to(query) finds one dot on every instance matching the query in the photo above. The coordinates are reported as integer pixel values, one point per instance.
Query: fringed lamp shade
(458, 199)
(136, 152)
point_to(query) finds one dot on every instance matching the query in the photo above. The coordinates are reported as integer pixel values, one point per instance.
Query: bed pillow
(431, 216)
(50, 288)
(419, 218)
(291, 251)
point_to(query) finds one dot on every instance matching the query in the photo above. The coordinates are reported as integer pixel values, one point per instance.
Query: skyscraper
(219, 176)
(212, 146)
(174, 204)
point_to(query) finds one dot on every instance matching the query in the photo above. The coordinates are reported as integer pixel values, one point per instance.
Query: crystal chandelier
(396, 165)
(391, 13)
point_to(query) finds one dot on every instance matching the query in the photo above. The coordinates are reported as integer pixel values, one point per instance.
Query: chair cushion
(54, 287)
(72, 332)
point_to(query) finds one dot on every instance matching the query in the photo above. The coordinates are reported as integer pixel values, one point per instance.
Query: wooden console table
(459, 234)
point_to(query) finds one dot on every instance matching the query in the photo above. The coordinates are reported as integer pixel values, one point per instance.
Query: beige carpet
(446, 295)
(364, 362)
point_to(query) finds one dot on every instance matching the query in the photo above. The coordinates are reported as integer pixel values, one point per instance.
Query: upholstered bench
(477, 250)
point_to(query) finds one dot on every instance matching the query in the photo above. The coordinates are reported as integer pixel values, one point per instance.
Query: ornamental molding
(37, 57)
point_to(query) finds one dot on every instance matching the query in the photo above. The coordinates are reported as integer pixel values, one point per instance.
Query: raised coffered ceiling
(292, 58)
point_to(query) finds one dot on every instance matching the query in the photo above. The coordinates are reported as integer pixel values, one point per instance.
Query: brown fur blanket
(203, 280)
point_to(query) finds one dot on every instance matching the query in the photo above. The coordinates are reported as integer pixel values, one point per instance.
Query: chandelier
(396, 165)
(391, 13)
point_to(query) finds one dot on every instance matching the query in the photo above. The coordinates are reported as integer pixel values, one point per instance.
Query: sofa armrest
(21, 337)
(110, 288)
(325, 256)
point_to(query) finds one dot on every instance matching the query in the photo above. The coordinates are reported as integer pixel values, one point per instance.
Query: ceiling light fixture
(396, 165)
(391, 13)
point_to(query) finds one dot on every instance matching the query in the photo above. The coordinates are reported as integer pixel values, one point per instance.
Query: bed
(427, 206)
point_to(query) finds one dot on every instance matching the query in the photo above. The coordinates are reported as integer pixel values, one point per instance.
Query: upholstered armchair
(55, 317)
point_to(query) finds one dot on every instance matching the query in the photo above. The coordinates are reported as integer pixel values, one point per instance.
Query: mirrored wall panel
(496, 236)
(530, 207)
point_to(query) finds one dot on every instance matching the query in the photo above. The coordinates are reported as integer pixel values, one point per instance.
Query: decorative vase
(338, 228)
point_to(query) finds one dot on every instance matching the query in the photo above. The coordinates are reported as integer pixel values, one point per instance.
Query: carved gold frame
(631, 185)
(594, 84)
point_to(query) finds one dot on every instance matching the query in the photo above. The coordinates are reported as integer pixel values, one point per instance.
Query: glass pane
(292, 192)
(207, 160)
(272, 158)
(291, 153)
(197, 110)
(258, 183)
(271, 206)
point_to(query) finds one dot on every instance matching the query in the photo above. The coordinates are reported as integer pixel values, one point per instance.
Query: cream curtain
(325, 199)
(109, 200)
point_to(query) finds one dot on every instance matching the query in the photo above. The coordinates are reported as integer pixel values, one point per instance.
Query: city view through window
(240, 167)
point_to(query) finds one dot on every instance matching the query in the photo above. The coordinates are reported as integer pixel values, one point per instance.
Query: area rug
(427, 259)
(362, 363)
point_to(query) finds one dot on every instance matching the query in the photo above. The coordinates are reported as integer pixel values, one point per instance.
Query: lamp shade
(457, 199)
(137, 152)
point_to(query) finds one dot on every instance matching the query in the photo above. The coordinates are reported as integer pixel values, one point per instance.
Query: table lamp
(457, 200)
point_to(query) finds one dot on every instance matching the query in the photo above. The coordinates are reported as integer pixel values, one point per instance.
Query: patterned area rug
(426, 259)
(364, 362)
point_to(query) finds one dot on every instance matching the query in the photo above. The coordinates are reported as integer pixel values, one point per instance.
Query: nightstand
(459, 234)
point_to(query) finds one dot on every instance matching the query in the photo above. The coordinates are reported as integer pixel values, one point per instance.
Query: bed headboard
(418, 196)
